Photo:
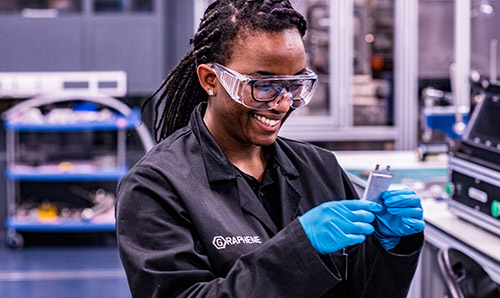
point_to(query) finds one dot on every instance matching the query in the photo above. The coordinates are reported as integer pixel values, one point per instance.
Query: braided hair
(222, 21)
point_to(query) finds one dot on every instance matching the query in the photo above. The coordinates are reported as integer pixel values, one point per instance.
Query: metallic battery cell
(378, 182)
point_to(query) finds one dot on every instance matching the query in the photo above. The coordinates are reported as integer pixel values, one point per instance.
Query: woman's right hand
(335, 225)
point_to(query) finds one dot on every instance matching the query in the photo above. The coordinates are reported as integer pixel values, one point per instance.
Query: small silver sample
(378, 182)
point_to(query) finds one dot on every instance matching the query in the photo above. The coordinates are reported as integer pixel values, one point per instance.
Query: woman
(223, 207)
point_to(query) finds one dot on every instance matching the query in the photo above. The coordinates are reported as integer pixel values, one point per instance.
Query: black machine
(464, 277)
(474, 165)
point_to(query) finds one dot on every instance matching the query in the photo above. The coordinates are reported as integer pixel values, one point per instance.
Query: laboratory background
(408, 84)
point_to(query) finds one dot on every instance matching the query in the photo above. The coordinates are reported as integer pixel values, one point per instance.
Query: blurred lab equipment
(474, 164)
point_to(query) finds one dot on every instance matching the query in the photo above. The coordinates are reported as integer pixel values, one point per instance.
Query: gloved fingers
(403, 201)
(361, 228)
(366, 205)
(347, 227)
(406, 212)
(395, 192)
(333, 225)
(350, 210)
(336, 238)
(360, 216)
(406, 226)
(414, 224)
(354, 239)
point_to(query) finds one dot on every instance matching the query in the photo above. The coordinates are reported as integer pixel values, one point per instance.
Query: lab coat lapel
(290, 200)
(251, 204)
(289, 185)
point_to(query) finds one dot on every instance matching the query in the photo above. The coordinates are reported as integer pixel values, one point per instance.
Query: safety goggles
(262, 92)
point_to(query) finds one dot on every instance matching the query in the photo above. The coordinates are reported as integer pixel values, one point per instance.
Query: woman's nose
(283, 101)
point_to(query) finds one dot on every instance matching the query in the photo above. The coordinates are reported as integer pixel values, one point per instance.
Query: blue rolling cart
(42, 116)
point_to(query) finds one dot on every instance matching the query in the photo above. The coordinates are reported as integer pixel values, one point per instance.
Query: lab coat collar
(289, 197)
(218, 166)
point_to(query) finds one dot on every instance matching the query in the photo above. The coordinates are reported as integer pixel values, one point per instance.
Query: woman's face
(261, 53)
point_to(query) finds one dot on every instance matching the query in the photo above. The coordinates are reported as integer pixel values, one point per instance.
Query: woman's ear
(207, 79)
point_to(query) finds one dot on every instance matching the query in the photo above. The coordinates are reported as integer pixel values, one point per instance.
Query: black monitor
(483, 129)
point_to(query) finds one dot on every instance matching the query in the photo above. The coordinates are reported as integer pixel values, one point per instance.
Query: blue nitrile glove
(402, 215)
(338, 224)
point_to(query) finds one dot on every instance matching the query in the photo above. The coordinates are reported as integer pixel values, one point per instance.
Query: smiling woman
(236, 127)
(224, 207)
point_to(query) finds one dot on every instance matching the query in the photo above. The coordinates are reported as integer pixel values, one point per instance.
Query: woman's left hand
(402, 216)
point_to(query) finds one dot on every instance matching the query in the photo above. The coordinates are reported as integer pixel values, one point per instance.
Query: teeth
(266, 121)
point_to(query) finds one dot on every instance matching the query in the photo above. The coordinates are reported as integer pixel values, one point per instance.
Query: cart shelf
(59, 225)
(78, 174)
(116, 122)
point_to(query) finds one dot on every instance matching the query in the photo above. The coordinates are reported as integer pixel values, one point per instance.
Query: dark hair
(222, 21)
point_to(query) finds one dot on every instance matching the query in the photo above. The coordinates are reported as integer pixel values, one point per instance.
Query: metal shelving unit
(119, 118)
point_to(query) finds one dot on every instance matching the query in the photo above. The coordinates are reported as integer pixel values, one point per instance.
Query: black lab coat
(188, 225)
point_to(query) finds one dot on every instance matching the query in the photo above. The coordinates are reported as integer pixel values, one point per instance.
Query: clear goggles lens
(266, 92)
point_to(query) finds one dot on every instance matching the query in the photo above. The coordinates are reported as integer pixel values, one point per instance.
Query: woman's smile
(267, 121)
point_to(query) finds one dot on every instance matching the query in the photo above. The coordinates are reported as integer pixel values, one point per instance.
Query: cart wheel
(15, 240)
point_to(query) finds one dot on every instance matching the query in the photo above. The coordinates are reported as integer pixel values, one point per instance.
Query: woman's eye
(265, 87)
(294, 87)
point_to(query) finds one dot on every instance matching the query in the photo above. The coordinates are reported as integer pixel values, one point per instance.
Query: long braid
(181, 91)
(169, 115)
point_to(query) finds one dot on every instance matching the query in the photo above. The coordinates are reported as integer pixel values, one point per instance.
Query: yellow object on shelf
(47, 212)
(65, 166)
